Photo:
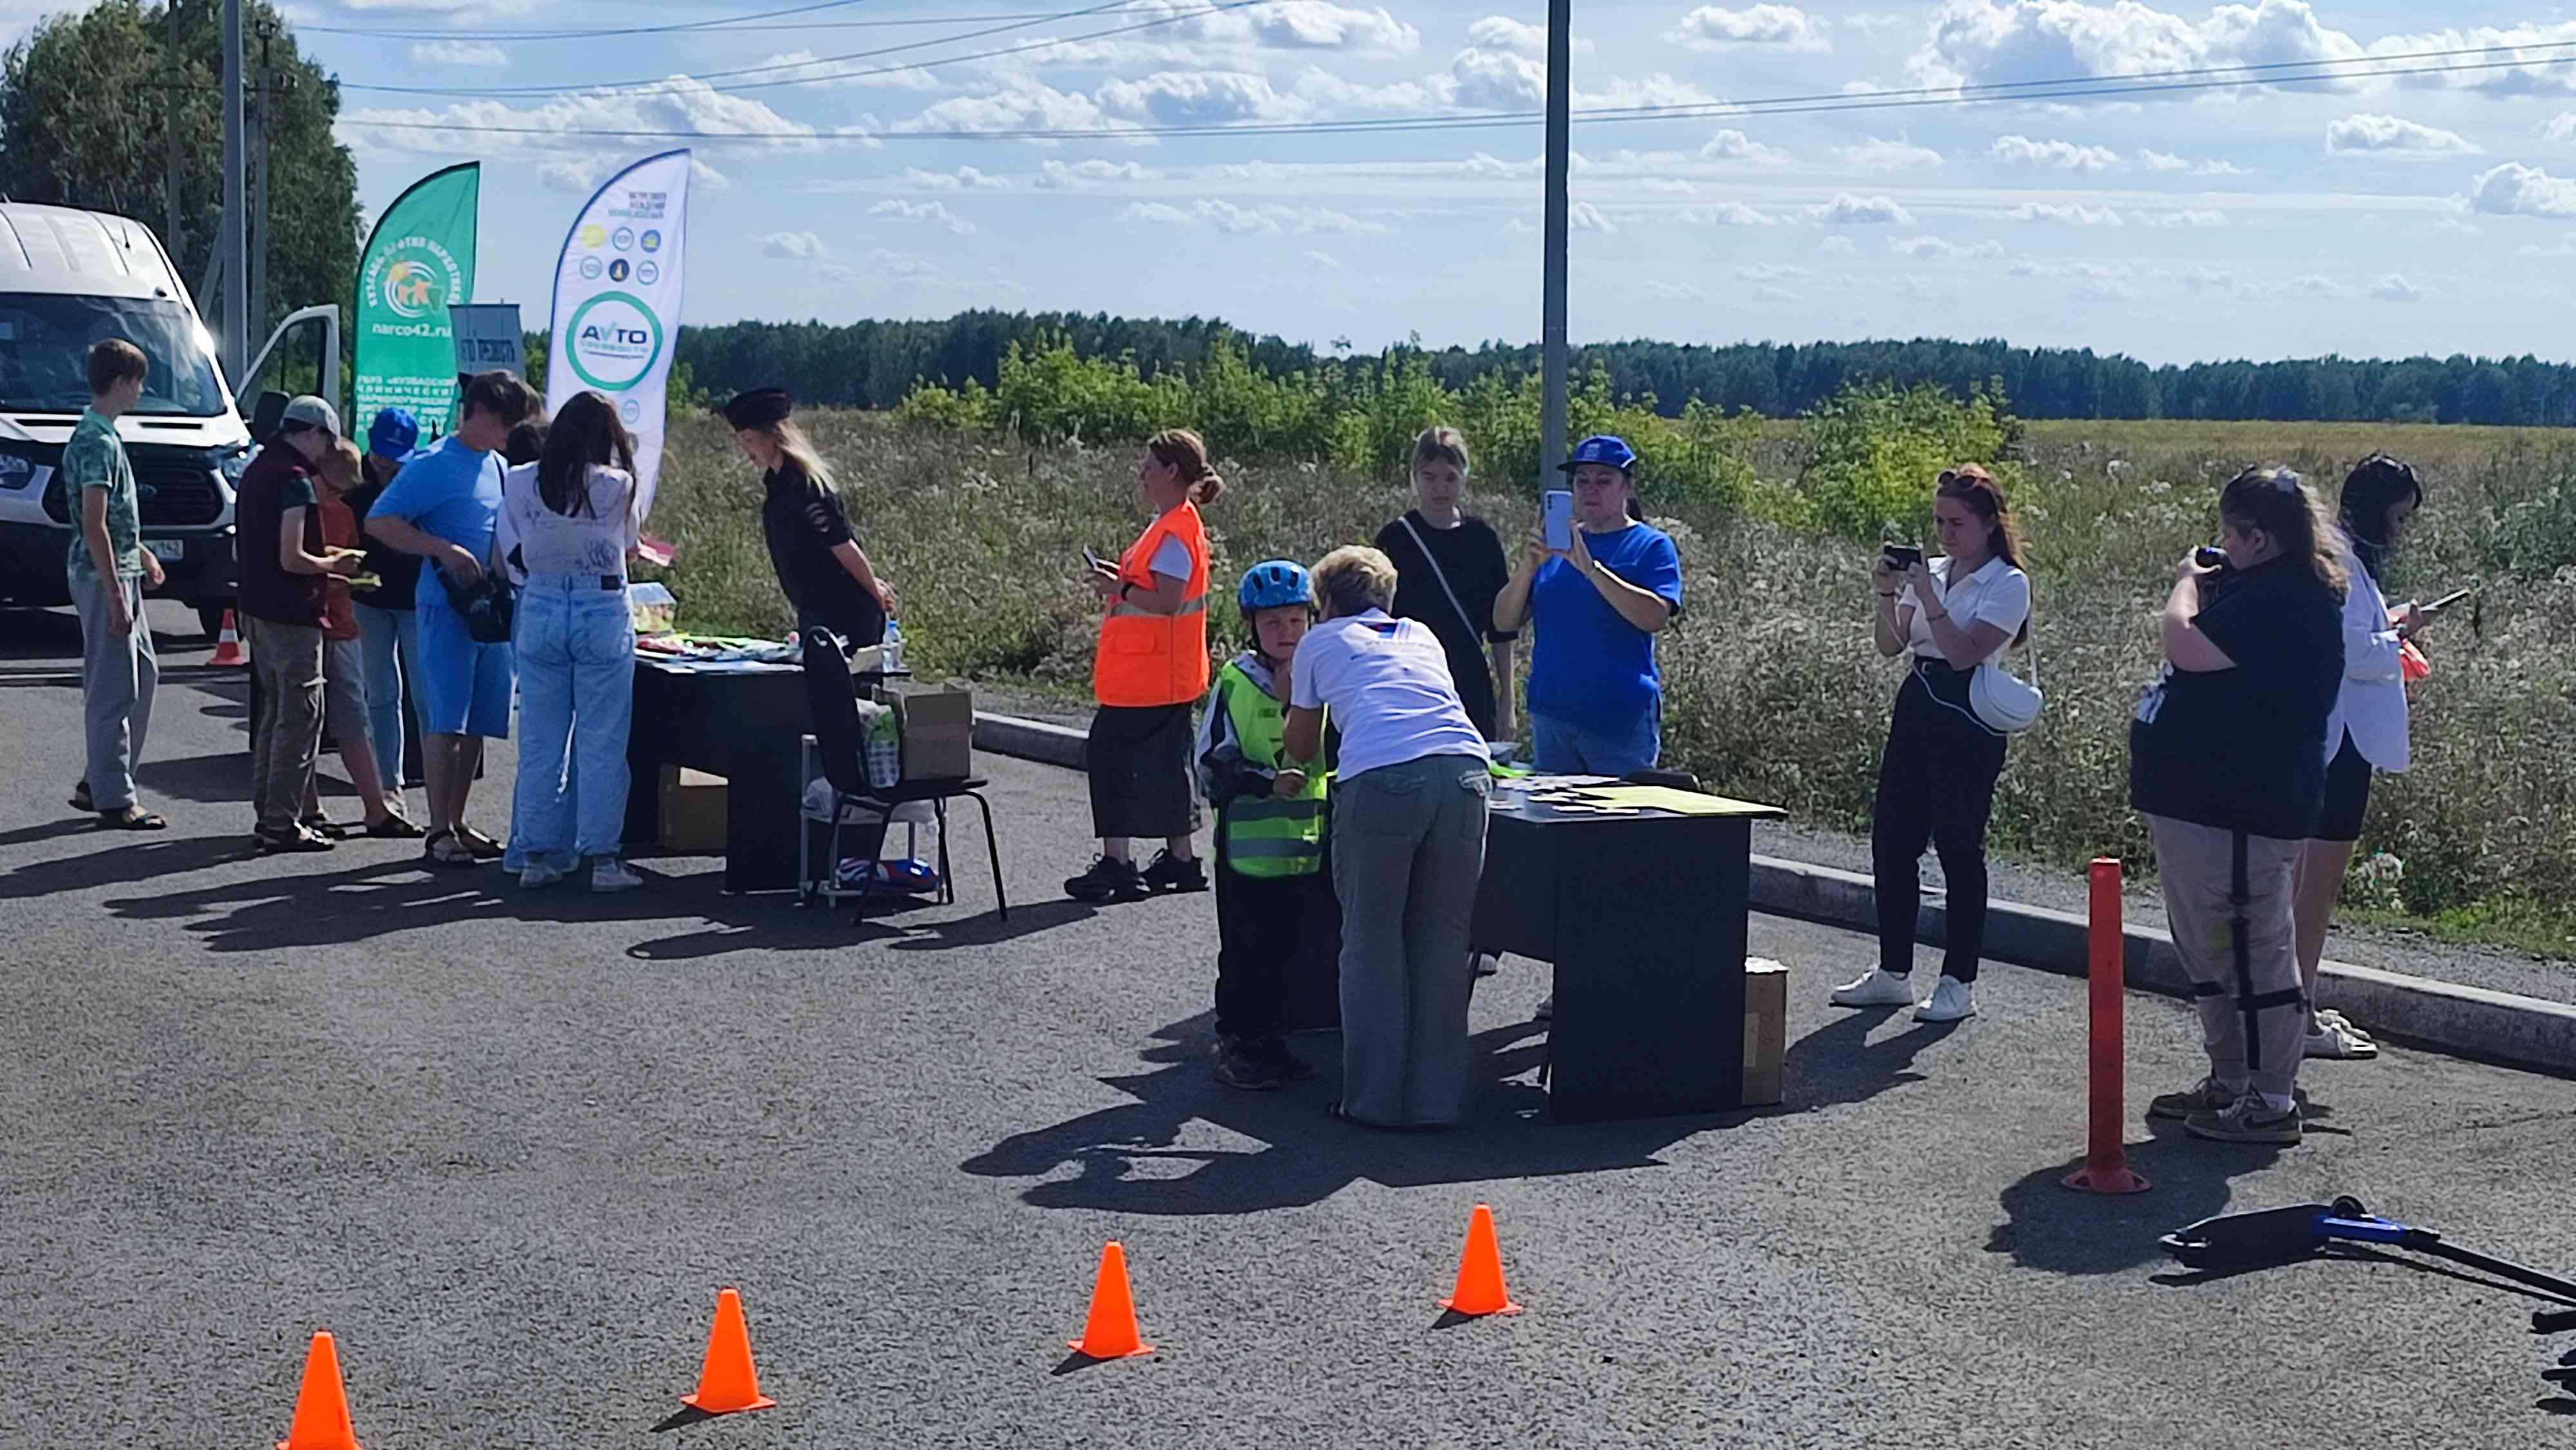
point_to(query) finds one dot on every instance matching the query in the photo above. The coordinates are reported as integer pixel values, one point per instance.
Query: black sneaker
(1241, 1064)
(1167, 872)
(1108, 879)
(1288, 1065)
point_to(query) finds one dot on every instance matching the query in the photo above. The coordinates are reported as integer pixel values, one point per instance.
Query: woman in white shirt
(2367, 731)
(1408, 841)
(1936, 780)
(567, 523)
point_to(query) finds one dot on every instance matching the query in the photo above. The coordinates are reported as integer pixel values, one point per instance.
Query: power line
(659, 84)
(745, 26)
(721, 22)
(2063, 88)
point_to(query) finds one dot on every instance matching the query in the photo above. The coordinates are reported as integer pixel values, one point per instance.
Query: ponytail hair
(1186, 453)
(796, 451)
(2278, 501)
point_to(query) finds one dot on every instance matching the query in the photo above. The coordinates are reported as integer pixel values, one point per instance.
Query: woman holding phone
(1936, 778)
(1598, 593)
(2368, 731)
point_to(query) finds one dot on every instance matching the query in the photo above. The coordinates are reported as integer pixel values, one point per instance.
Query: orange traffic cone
(1480, 1271)
(1110, 1332)
(726, 1382)
(228, 650)
(321, 1406)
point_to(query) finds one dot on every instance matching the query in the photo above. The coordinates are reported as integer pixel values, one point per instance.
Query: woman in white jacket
(2367, 731)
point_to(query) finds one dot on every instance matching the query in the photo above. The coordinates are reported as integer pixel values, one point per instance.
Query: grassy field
(1774, 692)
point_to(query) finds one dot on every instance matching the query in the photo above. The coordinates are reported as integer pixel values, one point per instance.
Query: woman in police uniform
(820, 565)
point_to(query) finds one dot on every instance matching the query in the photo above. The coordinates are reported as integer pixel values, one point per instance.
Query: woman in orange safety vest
(1151, 668)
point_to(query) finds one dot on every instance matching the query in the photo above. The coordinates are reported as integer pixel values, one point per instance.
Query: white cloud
(1585, 217)
(2072, 215)
(2316, 286)
(2373, 135)
(2090, 271)
(1201, 98)
(1658, 89)
(2210, 279)
(1899, 155)
(2514, 189)
(902, 264)
(681, 103)
(1494, 80)
(581, 174)
(2166, 161)
(1847, 210)
(964, 178)
(2395, 288)
(1323, 259)
(1667, 186)
(2188, 217)
(2054, 155)
(458, 52)
(1082, 175)
(1272, 220)
(1712, 28)
(1324, 88)
(795, 246)
(1304, 25)
(2560, 128)
(1729, 214)
(1736, 146)
(1020, 104)
(1772, 272)
(807, 68)
(1769, 293)
(935, 213)
(1990, 42)
(1520, 37)
(1839, 247)
(1944, 248)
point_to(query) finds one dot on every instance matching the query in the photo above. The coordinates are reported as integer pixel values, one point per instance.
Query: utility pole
(229, 251)
(263, 133)
(170, 233)
(1560, 86)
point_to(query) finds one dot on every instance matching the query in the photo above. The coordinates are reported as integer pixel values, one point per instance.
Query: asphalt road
(508, 1145)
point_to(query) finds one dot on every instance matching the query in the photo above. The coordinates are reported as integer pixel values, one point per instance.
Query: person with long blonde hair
(822, 569)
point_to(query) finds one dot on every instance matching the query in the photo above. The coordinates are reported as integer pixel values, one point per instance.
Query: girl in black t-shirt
(1449, 565)
(2227, 763)
(821, 568)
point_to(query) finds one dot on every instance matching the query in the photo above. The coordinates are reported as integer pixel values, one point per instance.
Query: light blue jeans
(576, 651)
(1560, 747)
(391, 639)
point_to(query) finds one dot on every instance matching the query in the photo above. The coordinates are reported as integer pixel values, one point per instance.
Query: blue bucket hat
(1602, 448)
(393, 435)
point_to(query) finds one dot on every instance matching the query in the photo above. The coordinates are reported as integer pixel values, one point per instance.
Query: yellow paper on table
(1665, 798)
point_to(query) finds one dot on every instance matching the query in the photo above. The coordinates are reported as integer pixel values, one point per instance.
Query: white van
(68, 279)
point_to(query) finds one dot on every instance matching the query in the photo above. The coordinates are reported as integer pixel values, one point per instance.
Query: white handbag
(2002, 703)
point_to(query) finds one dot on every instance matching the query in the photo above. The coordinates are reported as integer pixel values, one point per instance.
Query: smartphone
(1093, 561)
(1902, 557)
(2209, 556)
(1556, 514)
(2447, 600)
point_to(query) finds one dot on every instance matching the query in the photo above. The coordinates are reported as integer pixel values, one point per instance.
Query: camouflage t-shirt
(95, 458)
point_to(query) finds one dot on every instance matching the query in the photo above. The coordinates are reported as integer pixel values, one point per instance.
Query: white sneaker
(2338, 1042)
(1484, 964)
(539, 875)
(1950, 1001)
(1546, 1008)
(1881, 988)
(611, 874)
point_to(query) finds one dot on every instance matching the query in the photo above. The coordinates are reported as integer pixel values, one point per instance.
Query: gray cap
(313, 413)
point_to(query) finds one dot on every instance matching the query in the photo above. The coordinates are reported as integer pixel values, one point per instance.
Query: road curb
(2469, 1022)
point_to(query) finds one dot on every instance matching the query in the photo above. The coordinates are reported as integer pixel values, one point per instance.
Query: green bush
(1867, 454)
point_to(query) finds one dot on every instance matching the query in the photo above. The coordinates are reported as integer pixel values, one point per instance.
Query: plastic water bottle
(893, 653)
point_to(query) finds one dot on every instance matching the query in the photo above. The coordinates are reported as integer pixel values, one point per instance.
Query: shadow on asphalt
(1837, 1065)
(135, 857)
(207, 779)
(1133, 1158)
(2060, 1231)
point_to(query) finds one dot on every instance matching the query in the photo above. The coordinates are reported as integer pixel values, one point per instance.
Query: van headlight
(17, 471)
(234, 465)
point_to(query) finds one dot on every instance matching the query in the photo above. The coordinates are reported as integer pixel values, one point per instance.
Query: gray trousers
(2253, 1017)
(286, 730)
(1408, 849)
(119, 672)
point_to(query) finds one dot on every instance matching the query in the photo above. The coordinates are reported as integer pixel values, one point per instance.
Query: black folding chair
(833, 702)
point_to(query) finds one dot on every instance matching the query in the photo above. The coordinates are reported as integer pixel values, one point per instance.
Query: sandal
(394, 827)
(325, 827)
(294, 841)
(483, 846)
(132, 818)
(444, 850)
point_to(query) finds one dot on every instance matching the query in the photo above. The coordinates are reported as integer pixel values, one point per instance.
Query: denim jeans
(1560, 747)
(576, 653)
(392, 641)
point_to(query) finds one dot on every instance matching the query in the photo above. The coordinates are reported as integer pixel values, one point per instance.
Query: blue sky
(2372, 216)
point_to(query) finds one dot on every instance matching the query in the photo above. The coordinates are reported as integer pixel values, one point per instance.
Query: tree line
(875, 364)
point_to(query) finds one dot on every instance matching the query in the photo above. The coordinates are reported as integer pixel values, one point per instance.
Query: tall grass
(1773, 689)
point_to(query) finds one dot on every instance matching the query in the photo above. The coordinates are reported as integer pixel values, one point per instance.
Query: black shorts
(1140, 771)
(2347, 794)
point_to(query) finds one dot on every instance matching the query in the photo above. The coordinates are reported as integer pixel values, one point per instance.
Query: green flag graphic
(420, 259)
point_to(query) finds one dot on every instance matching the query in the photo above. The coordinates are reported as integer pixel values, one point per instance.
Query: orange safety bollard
(2106, 1155)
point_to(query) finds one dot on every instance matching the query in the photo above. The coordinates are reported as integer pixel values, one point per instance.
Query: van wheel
(210, 618)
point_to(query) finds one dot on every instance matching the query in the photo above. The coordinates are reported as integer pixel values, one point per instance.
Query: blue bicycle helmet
(1272, 584)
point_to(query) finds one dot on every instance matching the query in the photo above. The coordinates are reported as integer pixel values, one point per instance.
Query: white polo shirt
(1387, 683)
(1996, 594)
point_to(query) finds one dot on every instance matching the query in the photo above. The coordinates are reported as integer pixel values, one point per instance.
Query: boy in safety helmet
(1272, 892)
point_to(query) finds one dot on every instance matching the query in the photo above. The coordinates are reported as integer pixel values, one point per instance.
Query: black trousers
(1278, 952)
(1936, 786)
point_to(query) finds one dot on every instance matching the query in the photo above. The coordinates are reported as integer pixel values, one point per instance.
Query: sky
(2368, 215)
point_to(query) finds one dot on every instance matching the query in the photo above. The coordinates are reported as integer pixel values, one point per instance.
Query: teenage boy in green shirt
(109, 569)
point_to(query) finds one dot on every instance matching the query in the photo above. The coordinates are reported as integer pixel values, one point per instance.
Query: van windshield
(44, 349)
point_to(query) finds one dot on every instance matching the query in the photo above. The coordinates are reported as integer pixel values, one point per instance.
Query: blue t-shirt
(451, 491)
(1591, 667)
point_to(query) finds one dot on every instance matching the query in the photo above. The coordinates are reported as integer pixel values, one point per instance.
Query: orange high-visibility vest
(1156, 659)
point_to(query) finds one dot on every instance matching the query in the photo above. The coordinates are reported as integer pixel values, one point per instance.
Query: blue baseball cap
(393, 435)
(1602, 448)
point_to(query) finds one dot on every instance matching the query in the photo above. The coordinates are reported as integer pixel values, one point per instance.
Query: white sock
(2279, 1102)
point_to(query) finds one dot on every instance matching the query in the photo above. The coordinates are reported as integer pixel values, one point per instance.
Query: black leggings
(1936, 786)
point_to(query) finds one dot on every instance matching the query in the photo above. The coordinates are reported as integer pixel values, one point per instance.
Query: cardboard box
(1766, 1030)
(693, 812)
(938, 727)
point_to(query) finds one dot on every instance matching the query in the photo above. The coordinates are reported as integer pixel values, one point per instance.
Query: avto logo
(616, 340)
